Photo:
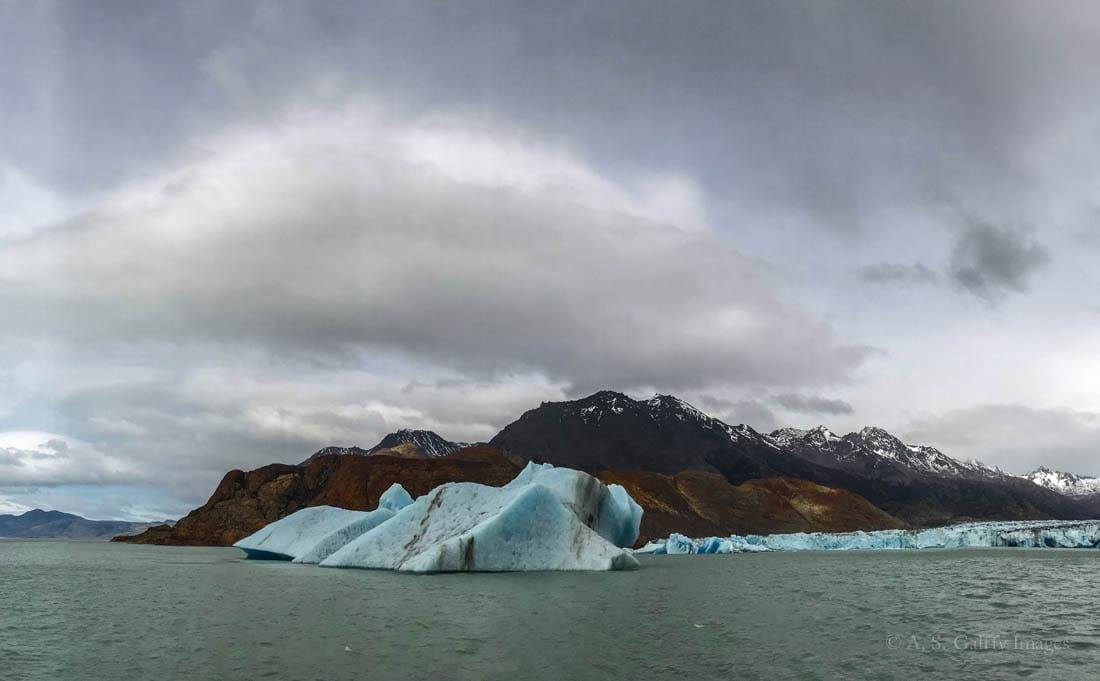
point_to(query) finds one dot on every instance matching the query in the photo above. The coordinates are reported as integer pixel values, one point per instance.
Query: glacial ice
(290, 537)
(1025, 534)
(392, 500)
(547, 518)
(311, 534)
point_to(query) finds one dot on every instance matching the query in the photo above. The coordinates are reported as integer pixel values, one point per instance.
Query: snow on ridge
(1062, 482)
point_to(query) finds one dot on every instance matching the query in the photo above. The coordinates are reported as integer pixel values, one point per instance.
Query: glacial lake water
(88, 611)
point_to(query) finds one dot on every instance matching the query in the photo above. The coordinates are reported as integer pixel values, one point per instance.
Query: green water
(84, 610)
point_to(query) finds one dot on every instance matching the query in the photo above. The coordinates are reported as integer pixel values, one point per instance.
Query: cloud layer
(476, 251)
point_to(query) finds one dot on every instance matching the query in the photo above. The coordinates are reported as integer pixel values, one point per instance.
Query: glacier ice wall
(1026, 534)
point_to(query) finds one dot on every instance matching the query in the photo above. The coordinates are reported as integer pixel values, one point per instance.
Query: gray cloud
(1016, 437)
(992, 262)
(287, 224)
(751, 412)
(886, 273)
(812, 404)
(466, 249)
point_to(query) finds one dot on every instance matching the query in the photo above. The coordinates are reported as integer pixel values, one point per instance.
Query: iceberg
(393, 500)
(546, 518)
(295, 534)
(312, 534)
(1026, 534)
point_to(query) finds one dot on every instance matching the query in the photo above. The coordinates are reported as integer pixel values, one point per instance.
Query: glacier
(546, 518)
(1067, 534)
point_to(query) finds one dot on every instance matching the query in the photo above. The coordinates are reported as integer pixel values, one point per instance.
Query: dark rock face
(918, 485)
(245, 502)
(39, 524)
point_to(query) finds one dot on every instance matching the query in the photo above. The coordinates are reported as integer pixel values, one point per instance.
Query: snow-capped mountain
(1064, 483)
(609, 430)
(425, 440)
(405, 442)
(666, 435)
(876, 448)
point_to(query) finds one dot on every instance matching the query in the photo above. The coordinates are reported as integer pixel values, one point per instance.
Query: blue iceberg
(547, 518)
(312, 534)
(1068, 534)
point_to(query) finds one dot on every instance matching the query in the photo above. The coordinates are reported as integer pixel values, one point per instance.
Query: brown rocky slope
(693, 502)
(699, 504)
(246, 501)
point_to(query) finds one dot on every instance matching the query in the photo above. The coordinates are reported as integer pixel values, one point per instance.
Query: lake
(91, 610)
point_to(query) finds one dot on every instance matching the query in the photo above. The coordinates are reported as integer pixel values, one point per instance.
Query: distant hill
(39, 524)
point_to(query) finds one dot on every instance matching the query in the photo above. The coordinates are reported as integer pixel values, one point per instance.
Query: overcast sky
(232, 233)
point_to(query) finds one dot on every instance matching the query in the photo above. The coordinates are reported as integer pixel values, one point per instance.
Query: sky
(233, 233)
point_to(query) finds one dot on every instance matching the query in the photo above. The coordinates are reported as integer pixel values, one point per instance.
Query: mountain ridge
(40, 524)
(1069, 484)
(664, 434)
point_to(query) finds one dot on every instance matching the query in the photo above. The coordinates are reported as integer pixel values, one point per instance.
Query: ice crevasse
(547, 518)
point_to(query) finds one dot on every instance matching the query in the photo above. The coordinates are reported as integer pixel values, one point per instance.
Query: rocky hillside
(702, 504)
(246, 501)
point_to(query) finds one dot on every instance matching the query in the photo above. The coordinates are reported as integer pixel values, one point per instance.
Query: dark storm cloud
(890, 273)
(833, 107)
(812, 404)
(992, 262)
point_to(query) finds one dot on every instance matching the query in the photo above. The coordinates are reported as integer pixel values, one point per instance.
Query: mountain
(424, 440)
(690, 472)
(919, 485)
(873, 451)
(608, 430)
(39, 524)
(691, 501)
(405, 443)
(1065, 483)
